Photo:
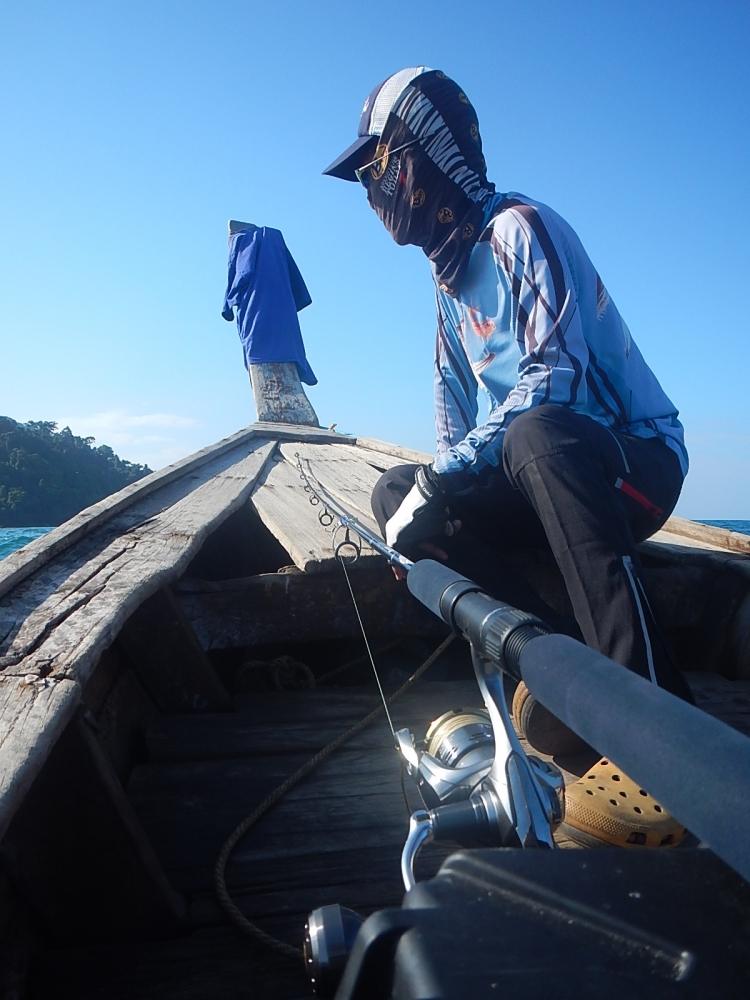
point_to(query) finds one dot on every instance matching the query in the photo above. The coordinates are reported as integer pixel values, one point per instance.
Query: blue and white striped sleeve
(546, 324)
(455, 385)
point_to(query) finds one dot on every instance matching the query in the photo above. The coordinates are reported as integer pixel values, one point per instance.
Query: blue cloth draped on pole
(265, 291)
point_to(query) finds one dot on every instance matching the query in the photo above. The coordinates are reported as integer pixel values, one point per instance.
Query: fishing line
(330, 508)
(367, 644)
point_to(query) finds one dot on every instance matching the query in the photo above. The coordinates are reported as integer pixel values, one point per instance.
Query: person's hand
(431, 550)
(422, 518)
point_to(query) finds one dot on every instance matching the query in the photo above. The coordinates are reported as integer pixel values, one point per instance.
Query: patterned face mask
(427, 179)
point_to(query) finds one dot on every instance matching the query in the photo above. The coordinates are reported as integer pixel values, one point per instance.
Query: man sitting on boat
(581, 445)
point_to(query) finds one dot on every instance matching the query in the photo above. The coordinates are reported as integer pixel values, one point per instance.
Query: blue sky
(133, 131)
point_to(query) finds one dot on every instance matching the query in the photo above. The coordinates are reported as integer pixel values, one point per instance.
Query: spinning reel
(479, 788)
(478, 785)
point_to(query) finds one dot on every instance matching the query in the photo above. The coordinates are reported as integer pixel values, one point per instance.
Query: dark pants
(590, 495)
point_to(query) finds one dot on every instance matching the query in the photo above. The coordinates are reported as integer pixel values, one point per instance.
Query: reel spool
(460, 737)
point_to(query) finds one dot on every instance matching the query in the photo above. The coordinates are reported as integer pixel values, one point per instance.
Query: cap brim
(353, 157)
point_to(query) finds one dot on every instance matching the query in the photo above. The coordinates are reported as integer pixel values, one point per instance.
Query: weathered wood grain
(302, 607)
(405, 455)
(279, 395)
(66, 621)
(353, 802)
(341, 807)
(363, 878)
(73, 614)
(285, 509)
(125, 825)
(78, 854)
(168, 659)
(348, 473)
(299, 432)
(269, 885)
(22, 563)
(25, 561)
(708, 535)
(293, 721)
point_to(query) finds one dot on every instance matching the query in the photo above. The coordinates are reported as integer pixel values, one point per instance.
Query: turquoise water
(13, 538)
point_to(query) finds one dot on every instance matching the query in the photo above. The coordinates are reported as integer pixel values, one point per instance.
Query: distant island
(47, 475)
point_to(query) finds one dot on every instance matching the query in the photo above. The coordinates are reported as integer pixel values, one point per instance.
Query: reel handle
(420, 831)
(469, 823)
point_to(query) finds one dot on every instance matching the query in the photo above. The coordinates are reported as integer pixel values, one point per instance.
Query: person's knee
(534, 433)
(390, 490)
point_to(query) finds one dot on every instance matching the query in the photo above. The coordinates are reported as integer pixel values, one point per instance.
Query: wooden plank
(344, 471)
(679, 542)
(68, 627)
(33, 715)
(737, 648)
(704, 593)
(286, 511)
(396, 451)
(141, 858)
(199, 738)
(364, 879)
(708, 535)
(169, 660)
(64, 635)
(19, 565)
(60, 581)
(279, 396)
(299, 432)
(301, 607)
(354, 801)
(78, 854)
(301, 722)
(116, 702)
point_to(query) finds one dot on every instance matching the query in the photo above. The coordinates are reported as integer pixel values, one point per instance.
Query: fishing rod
(318, 493)
(478, 783)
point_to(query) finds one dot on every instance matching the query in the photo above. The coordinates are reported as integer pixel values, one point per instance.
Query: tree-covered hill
(47, 476)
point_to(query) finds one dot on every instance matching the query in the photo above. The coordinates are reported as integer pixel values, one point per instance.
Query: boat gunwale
(20, 565)
(48, 724)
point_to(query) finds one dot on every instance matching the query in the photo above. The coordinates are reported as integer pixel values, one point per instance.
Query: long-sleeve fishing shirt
(265, 291)
(533, 324)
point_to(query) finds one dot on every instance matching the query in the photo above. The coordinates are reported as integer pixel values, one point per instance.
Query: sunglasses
(361, 172)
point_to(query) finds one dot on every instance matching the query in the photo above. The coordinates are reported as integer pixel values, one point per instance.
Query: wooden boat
(173, 653)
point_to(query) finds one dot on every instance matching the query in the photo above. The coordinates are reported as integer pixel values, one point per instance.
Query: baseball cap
(377, 107)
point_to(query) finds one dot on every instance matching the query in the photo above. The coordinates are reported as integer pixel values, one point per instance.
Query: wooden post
(279, 396)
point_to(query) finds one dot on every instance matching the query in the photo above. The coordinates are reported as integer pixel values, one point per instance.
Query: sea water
(741, 526)
(13, 538)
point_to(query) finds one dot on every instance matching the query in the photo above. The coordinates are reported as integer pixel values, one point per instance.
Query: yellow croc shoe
(607, 808)
(543, 730)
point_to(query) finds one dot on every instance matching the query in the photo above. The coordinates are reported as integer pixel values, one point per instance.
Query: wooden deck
(337, 837)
